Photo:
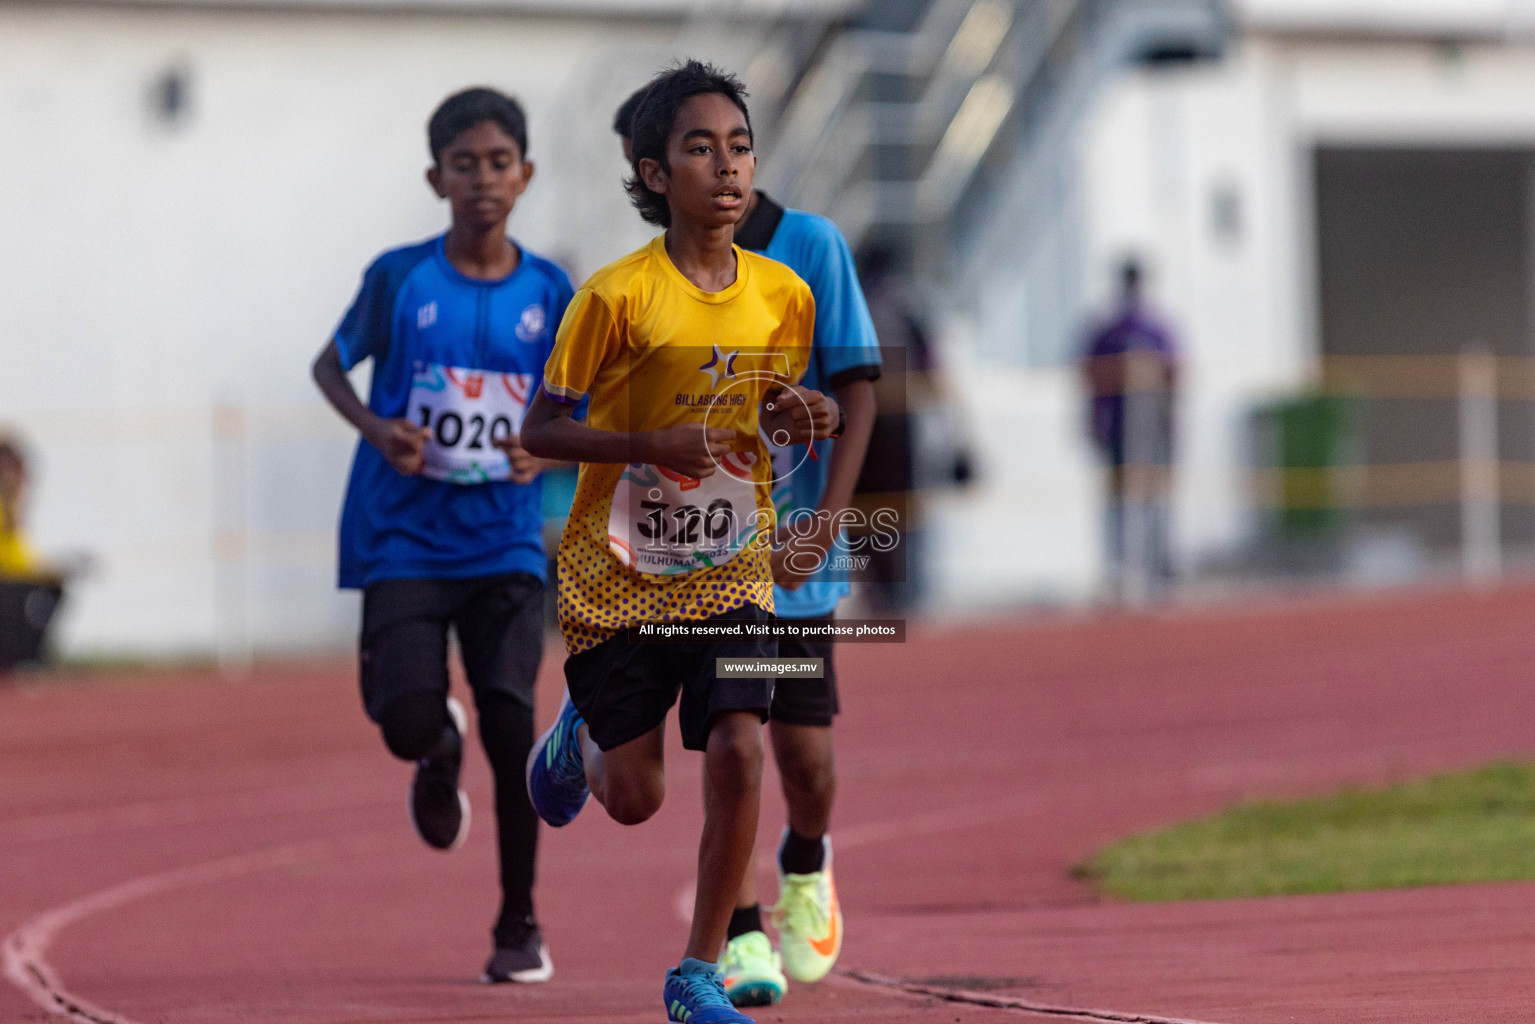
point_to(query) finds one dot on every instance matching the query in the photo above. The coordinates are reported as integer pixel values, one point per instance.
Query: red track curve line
(27, 968)
(943, 819)
(959, 995)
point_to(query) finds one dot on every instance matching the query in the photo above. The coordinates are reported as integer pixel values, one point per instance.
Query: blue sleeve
(563, 293)
(844, 332)
(366, 329)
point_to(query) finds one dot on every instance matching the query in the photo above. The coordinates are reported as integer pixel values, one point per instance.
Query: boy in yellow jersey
(30, 589)
(687, 350)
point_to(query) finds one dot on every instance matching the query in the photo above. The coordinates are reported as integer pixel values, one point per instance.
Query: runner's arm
(526, 467)
(811, 548)
(802, 413)
(400, 441)
(549, 432)
(857, 399)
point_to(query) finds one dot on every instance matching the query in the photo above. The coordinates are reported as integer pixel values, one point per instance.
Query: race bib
(663, 523)
(467, 411)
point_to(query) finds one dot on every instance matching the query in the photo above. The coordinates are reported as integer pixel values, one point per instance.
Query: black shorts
(404, 648)
(624, 689)
(807, 701)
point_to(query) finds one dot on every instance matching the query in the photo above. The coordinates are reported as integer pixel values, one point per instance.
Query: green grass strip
(1473, 826)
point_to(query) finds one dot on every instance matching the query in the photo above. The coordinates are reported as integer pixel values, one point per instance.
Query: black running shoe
(525, 960)
(439, 810)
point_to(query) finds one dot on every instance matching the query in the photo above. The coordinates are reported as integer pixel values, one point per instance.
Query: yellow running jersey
(653, 350)
(16, 557)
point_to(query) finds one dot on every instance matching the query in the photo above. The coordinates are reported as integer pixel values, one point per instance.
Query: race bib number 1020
(468, 412)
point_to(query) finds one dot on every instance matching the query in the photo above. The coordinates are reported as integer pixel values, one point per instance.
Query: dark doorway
(1421, 253)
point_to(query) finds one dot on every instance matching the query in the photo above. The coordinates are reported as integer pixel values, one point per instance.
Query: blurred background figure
(1130, 365)
(16, 557)
(29, 590)
(892, 577)
(917, 444)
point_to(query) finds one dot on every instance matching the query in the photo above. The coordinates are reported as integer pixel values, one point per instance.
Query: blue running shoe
(556, 775)
(695, 994)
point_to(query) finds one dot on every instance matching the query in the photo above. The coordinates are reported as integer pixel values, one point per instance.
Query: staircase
(905, 135)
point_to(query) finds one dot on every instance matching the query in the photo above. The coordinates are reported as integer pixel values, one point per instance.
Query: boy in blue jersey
(442, 524)
(844, 358)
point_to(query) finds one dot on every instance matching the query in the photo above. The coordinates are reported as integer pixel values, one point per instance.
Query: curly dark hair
(654, 117)
(463, 110)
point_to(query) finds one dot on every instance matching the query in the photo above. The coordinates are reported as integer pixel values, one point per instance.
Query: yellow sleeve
(801, 333)
(16, 558)
(588, 340)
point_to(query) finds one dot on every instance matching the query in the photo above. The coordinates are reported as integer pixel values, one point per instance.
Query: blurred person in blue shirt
(1130, 366)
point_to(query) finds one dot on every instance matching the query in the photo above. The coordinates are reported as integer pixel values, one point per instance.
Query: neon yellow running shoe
(751, 971)
(809, 921)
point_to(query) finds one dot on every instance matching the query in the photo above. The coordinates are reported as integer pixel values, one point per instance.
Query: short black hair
(463, 110)
(623, 117)
(654, 117)
(13, 452)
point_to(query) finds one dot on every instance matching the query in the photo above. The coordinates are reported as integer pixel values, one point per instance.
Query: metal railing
(970, 61)
(1479, 481)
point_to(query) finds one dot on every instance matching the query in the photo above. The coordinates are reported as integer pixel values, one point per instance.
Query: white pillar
(233, 643)
(1143, 383)
(1481, 549)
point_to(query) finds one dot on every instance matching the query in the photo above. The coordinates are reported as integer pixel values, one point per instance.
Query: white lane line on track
(25, 949)
(237, 805)
(959, 995)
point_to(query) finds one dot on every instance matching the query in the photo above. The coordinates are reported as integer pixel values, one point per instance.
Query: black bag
(26, 609)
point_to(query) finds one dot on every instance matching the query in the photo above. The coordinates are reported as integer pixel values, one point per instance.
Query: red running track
(178, 849)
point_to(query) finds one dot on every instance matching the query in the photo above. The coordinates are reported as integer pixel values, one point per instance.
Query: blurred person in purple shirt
(1130, 366)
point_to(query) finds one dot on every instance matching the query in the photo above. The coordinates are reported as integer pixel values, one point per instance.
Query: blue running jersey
(443, 347)
(844, 349)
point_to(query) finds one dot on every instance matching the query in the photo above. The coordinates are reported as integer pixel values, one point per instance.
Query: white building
(1353, 177)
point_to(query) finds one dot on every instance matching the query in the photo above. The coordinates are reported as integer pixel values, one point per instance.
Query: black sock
(801, 856)
(743, 920)
(506, 730)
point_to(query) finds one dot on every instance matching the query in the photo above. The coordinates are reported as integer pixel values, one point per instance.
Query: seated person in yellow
(17, 559)
(684, 349)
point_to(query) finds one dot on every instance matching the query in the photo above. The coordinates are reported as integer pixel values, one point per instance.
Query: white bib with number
(663, 523)
(467, 411)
